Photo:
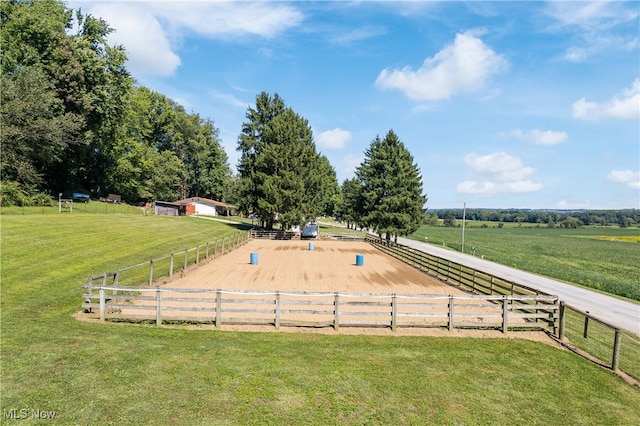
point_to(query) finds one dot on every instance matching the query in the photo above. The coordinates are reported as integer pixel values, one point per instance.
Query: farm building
(166, 208)
(206, 207)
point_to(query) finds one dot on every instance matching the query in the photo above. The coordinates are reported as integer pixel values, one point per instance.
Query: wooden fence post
(186, 259)
(277, 321)
(158, 306)
(150, 271)
(171, 265)
(218, 309)
(450, 312)
(562, 321)
(206, 251)
(505, 314)
(585, 332)
(616, 351)
(336, 315)
(394, 316)
(102, 304)
(197, 254)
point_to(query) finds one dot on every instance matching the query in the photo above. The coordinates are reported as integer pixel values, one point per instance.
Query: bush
(41, 199)
(12, 193)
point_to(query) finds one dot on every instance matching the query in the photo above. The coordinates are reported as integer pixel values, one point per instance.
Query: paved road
(619, 313)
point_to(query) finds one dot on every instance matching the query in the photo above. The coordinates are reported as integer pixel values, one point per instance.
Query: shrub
(12, 193)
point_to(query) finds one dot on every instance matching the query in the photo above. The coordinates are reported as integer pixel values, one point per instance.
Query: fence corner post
(616, 350)
(561, 320)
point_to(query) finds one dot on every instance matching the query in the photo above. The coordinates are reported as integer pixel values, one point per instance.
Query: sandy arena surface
(291, 266)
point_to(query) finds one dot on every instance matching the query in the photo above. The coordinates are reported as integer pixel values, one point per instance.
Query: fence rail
(455, 274)
(274, 235)
(166, 266)
(506, 313)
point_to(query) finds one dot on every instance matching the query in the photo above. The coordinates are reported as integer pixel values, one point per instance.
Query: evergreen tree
(351, 207)
(282, 176)
(391, 196)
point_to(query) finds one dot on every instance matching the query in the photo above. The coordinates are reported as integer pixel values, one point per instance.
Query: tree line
(74, 120)
(552, 218)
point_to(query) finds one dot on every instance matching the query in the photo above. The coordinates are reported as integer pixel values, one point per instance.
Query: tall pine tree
(391, 195)
(282, 176)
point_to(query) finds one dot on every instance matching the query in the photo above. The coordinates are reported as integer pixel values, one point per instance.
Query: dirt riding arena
(291, 266)
(329, 267)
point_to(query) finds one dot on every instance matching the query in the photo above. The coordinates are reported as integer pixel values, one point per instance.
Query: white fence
(321, 309)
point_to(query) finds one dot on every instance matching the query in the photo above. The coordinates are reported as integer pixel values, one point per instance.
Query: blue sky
(501, 104)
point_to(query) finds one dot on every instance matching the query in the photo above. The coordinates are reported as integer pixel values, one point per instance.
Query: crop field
(602, 258)
(113, 373)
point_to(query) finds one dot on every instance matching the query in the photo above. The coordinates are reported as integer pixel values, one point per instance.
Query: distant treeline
(567, 218)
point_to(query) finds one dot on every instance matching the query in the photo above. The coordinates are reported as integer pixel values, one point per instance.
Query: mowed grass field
(91, 373)
(602, 258)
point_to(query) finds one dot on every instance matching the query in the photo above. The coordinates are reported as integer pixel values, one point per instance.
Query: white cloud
(498, 165)
(463, 66)
(334, 139)
(500, 173)
(541, 137)
(591, 16)
(152, 31)
(628, 177)
(139, 31)
(493, 188)
(623, 105)
(599, 26)
(346, 165)
(357, 35)
(229, 18)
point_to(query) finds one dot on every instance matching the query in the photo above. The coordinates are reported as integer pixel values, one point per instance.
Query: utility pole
(464, 214)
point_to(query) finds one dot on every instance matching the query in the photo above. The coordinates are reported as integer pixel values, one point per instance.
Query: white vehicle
(311, 230)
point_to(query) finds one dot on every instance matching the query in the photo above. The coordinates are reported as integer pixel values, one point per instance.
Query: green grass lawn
(602, 258)
(91, 373)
